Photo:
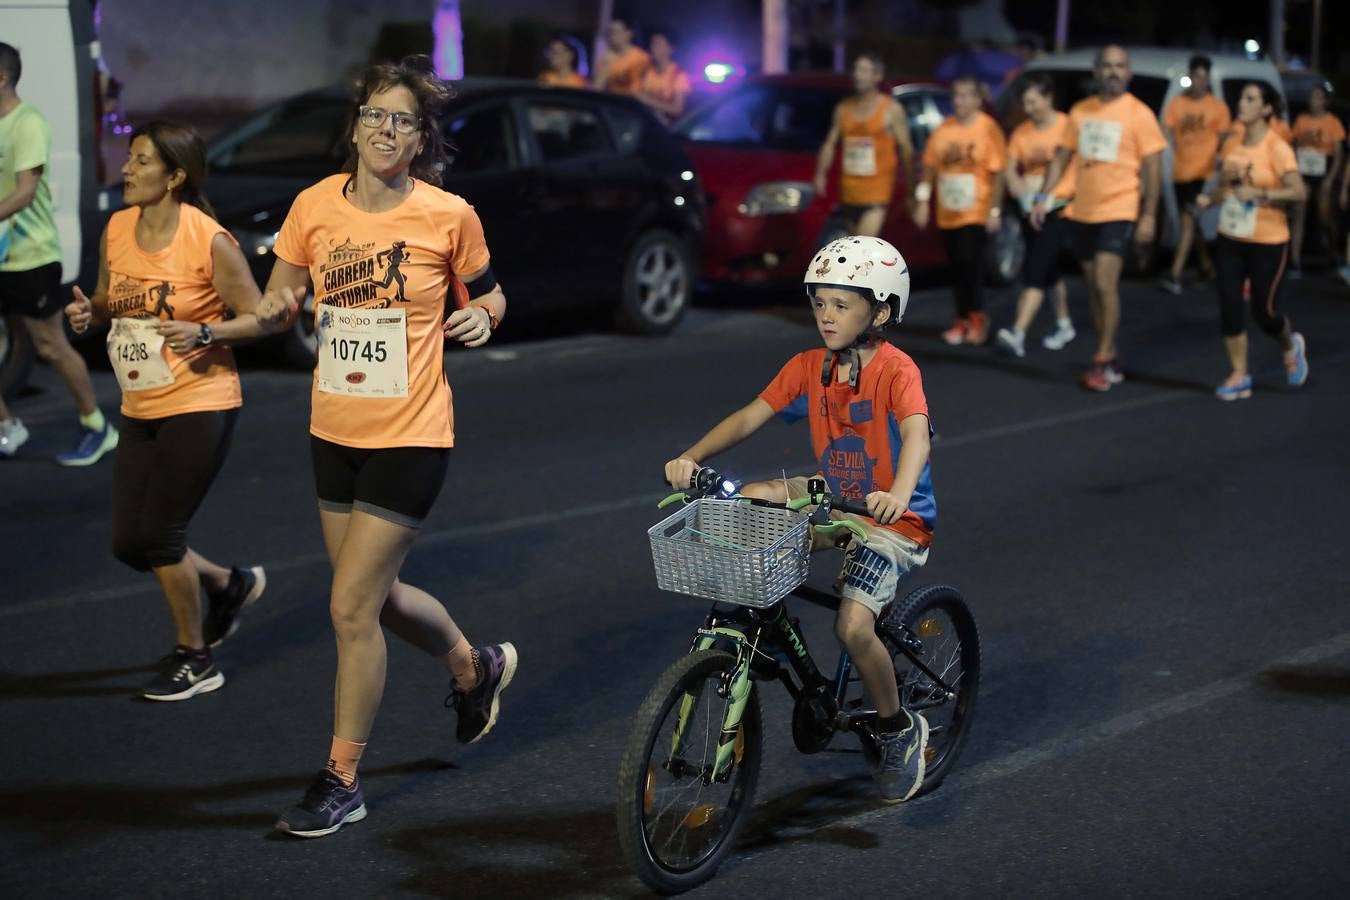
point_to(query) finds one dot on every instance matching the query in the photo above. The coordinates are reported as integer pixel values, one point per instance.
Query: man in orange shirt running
(1114, 140)
(623, 65)
(875, 135)
(665, 88)
(1195, 123)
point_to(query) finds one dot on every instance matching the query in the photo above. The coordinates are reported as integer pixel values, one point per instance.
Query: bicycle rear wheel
(937, 625)
(676, 822)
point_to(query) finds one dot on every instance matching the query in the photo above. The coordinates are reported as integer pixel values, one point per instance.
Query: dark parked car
(584, 197)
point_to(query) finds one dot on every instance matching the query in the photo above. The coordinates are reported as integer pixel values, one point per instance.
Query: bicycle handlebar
(707, 482)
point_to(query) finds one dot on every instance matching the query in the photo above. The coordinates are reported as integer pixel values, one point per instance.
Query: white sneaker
(12, 436)
(1060, 339)
(1013, 342)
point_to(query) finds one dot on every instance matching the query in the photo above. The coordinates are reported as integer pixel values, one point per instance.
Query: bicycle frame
(769, 645)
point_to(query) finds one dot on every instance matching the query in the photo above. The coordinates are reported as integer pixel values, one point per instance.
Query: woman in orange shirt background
(1319, 138)
(564, 55)
(623, 65)
(1258, 178)
(665, 86)
(168, 275)
(382, 420)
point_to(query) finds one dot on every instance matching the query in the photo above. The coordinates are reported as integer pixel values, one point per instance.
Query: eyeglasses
(374, 116)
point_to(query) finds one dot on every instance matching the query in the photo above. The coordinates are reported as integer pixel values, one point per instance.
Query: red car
(755, 151)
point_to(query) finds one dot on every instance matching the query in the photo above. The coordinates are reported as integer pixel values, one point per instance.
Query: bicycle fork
(736, 686)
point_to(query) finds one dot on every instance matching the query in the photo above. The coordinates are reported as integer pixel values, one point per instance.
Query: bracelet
(995, 212)
(1040, 198)
(493, 321)
(923, 192)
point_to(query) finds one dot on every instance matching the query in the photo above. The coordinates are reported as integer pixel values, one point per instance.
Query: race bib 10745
(362, 352)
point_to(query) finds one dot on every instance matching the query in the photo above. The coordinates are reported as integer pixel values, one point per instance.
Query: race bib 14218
(136, 351)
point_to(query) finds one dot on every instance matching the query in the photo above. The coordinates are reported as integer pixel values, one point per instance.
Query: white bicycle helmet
(862, 262)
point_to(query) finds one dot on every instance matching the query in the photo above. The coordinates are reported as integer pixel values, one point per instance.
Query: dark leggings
(1265, 264)
(163, 469)
(965, 253)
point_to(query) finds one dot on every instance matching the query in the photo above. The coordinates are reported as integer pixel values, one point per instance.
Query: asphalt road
(1160, 582)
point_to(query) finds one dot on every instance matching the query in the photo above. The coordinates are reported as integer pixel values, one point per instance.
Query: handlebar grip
(848, 505)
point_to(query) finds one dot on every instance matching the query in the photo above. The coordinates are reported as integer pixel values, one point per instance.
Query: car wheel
(1007, 251)
(16, 356)
(302, 344)
(657, 284)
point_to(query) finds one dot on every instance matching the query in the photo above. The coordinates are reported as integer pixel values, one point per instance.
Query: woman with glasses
(383, 247)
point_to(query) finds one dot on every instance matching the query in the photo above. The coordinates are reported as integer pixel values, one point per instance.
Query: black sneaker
(899, 769)
(184, 674)
(478, 707)
(327, 806)
(222, 615)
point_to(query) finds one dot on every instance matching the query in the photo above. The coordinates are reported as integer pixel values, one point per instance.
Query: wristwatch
(206, 337)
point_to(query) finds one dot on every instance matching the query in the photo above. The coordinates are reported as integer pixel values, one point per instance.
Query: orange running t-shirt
(571, 79)
(856, 434)
(627, 70)
(870, 159)
(1315, 141)
(405, 259)
(173, 283)
(1198, 126)
(1279, 127)
(965, 158)
(1110, 141)
(1263, 165)
(666, 86)
(1033, 149)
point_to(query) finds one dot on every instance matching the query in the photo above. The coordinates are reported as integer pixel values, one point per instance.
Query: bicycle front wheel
(677, 816)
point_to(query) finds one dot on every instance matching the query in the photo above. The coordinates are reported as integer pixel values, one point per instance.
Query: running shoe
(1240, 391)
(1060, 338)
(12, 436)
(977, 329)
(957, 333)
(327, 806)
(898, 771)
(184, 674)
(478, 706)
(1172, 285)
(91, 447)
(1296, 361)
(1103, 376)
(1013, 342)
(224, 610)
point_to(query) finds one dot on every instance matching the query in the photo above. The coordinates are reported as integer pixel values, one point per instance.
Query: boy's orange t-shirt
(1198, 126)
(173, 283)
(1111, 141)
(1263, 165)
(571, 79)
(957, 151)
(1033, 149)
(627, 70)
(406, 259)
(856, 434)
(872, 182)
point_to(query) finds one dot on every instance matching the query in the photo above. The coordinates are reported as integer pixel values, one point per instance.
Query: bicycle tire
(910, 611)
(651, 715)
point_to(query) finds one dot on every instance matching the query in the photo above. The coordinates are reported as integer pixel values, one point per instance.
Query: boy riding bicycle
(870, 431)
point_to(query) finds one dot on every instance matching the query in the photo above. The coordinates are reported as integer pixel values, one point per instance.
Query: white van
(1158, 77)
(57, 44)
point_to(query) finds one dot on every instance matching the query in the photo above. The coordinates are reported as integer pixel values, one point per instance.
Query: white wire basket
(731, 551)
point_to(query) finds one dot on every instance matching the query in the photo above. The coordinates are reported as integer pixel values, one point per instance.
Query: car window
(800, 118)
(925, 111)
(741, 118)
(564, 132)
(483, 141)
(295, 138)
(627, 128)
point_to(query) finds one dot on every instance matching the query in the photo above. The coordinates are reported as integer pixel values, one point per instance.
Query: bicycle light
(729, 488)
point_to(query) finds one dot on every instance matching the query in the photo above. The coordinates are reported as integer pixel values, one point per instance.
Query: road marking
(1126, 723)
(536, 520)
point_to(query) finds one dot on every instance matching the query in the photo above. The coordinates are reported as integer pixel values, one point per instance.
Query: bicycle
(688, 775)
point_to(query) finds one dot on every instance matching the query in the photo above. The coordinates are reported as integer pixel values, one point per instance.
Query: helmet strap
(854, 366)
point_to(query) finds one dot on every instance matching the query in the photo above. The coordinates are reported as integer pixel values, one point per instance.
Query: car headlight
(776, 197)
(255, 243)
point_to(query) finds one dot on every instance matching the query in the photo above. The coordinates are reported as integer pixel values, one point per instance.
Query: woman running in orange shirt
(564, 64)
(1258, 177)
(382, 421)
(168, 276)
(1319, 137)
(665, 87)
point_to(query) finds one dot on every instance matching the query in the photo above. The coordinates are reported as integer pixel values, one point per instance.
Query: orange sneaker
(1104, 375)
(957, 333)
(977, 332)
